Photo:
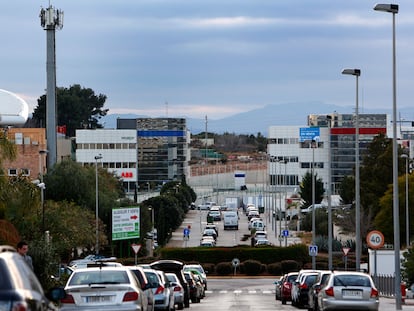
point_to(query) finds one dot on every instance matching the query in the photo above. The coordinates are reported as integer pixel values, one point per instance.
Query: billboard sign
(309, 134)
(125, 223)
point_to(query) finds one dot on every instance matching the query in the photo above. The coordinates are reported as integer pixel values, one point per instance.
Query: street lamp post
(285, 192)
(313, 203)
(42, 186)
(393, 8)
(356, 73)
(407, 212)
(152, 230)
(98, 157)
(329, 195)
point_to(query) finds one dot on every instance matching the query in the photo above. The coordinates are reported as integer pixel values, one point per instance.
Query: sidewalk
(388, 304)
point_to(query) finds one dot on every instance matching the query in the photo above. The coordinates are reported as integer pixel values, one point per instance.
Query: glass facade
(162, 149)
(342, 140)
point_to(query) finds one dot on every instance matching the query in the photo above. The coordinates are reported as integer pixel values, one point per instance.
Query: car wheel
(283, 301)
(180, 306)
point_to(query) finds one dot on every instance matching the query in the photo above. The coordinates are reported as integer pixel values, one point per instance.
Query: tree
(347, 190)
(383, 221)
(77, 108)
(306, 189)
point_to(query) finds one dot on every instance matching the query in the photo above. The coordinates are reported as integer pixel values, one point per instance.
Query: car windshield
(352, 280)
(99, 277)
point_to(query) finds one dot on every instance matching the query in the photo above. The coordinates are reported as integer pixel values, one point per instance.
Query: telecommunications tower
(51, 19)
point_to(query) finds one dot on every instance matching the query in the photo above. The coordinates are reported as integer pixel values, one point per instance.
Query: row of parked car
(319, 290)
(103, 285)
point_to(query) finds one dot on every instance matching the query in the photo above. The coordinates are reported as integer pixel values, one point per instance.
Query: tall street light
(407, 212)
(41, 185)
(393, 8)
(98, 157)
(314, 145)
(356, 73)
(329, 194)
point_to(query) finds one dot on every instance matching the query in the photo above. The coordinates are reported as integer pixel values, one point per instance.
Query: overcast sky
(211, 57)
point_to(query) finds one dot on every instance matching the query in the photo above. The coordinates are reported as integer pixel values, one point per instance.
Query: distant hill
(259, 120)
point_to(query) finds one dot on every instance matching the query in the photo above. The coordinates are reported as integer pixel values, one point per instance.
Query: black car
(19, 287)
(195, 289)
(174, 266)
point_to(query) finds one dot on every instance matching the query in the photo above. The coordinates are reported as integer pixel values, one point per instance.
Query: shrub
(209, 268)
(274, 268)
(252, 267)
(224, 268)
(289, 266)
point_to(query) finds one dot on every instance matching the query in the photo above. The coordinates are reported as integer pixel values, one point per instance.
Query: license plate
(96, 299)
(348, 293)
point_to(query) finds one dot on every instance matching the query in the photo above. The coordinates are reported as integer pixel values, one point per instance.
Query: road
(196, 220)
(255, 294)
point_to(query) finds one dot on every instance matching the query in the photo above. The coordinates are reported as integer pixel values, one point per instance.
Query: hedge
(214, 255)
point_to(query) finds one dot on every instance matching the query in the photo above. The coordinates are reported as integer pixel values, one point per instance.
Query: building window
(25, 171)
(12, 171)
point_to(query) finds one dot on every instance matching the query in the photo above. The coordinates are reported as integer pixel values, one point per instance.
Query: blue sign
(186, 232)
(309, 134)
(313, 250)
(285, 233)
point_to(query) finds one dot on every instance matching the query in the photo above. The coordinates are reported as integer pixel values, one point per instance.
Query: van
(230, 220)
(258, 225)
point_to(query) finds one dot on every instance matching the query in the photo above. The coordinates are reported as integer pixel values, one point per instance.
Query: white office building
(118, 149)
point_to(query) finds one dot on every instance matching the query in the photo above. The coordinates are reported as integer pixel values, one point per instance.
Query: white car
(107, 288)
(90, 259)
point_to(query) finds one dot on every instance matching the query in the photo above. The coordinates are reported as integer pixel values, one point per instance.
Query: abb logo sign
(127, 174)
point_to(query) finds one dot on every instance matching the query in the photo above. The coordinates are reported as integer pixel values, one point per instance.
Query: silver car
(162, 289)
(104, 288)
(347, 290)
(178, 290)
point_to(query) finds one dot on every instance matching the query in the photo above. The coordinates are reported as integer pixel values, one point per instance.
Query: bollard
(403, 292)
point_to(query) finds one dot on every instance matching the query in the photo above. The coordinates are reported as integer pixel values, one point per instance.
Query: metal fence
(385, 284)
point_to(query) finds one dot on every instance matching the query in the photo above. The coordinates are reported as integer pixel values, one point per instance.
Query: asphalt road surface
(196, 221)
(256, 294)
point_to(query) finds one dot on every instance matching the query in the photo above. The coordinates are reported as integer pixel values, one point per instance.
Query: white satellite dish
(14, 111)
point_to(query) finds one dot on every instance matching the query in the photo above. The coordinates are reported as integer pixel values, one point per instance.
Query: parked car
(176, 267)
(262, 242)
(278, 288)
(103, 288)
(212, 226)
(349, 290)
(207, 243)
(90, 259)
(178, 290)
(301, 287)
(286, 291)
(20, 289)
(214, 215)
(197, 268)
(316, 287)
(195, 289)
(145, 285)
(161, 288)
(210, 232)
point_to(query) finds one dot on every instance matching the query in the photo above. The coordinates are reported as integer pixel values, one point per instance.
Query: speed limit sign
(375, 239)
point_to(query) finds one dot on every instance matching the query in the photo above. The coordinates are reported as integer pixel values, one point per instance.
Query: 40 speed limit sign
(375, 239)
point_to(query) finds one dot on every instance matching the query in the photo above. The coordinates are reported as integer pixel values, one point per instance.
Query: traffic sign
(235, 262)
(375, 239)
(186, 232)
(285, 233)
(136, 247)
(345, 250)
(313, 250)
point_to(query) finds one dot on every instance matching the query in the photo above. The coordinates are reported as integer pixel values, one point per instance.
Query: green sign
(125, 223)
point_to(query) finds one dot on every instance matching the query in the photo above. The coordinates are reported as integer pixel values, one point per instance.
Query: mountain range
(259, 120)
